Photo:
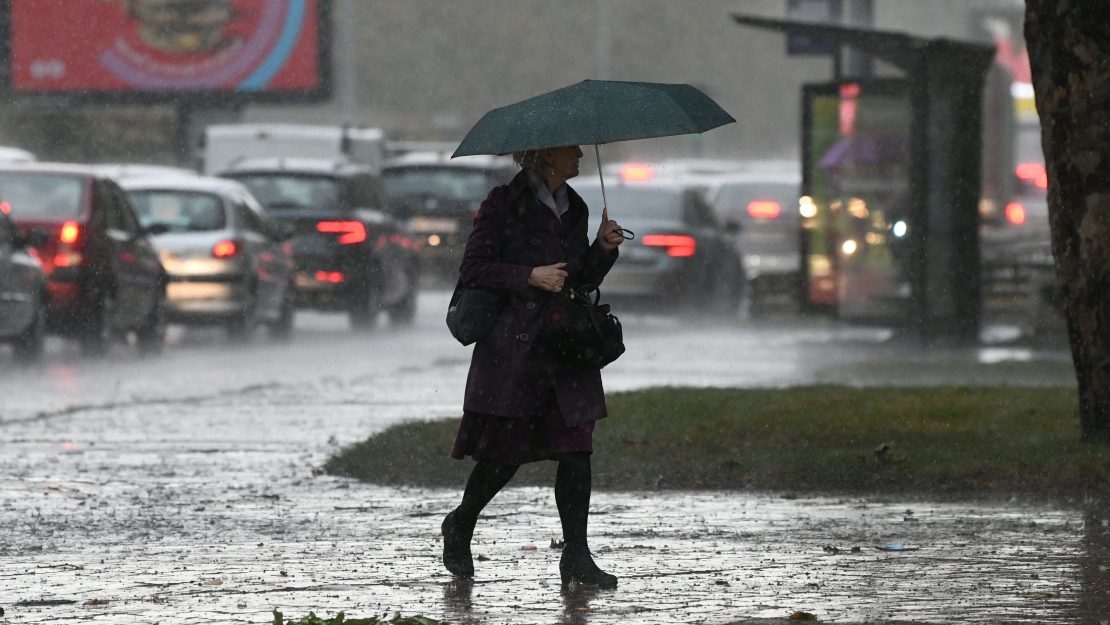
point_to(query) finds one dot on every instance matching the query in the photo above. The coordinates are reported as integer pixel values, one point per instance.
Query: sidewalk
(209, 512)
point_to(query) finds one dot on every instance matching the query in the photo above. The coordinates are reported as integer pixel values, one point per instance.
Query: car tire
(95, 334)
(281, 329)
(364, 308)
(28, 346)
(151, 336)
(240, 327)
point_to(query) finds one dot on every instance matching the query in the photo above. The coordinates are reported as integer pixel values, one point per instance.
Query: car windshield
(180, 211)
(451, 183)
(42, 196)
(640, 202)
(292, 191)
(733, 199)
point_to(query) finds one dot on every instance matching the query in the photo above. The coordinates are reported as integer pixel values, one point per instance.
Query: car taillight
(1015, 213)
(226, 249)
(677, 245)
(764, 209)
(350, 232)
(70, 232)
(334, 277)
(637, 172)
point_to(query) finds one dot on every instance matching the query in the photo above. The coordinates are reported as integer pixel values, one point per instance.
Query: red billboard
(241, 48)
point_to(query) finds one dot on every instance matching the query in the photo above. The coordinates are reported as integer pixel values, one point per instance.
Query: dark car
(350, 254)
(227, 262)
(683, 257)
(104, 277)
(22, 294)
(439, 196)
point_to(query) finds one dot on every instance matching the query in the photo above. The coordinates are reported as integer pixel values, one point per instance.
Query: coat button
(523, 336)
(535, 241)
(563, 242)
(530, 305)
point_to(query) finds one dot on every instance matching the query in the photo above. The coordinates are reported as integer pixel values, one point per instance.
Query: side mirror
(732, 226)
(155, 229)
(281, 231)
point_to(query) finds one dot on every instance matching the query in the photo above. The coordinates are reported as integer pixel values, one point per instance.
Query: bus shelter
(891, 183)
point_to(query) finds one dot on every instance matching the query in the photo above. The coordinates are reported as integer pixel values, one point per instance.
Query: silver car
(22, 293)
(227, 262)
(764, 206)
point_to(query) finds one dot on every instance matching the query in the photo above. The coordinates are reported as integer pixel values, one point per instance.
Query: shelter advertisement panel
(856, 222)
(250, 49)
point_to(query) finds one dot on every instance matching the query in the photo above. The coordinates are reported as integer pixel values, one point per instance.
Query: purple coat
(513, 233)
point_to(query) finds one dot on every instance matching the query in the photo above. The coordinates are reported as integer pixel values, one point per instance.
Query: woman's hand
(548, 277)
(609, 235)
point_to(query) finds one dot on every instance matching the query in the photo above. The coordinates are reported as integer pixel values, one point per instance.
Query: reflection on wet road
(182, 489)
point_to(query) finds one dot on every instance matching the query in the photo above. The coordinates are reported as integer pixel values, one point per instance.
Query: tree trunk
(1069, 48)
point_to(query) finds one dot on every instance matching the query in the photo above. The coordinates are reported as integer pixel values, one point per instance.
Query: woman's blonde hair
(529, 159)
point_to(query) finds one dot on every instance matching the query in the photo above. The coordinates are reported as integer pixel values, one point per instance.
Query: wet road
(183, 489)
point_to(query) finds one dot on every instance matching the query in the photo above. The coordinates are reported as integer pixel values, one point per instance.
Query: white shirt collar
(559, 203)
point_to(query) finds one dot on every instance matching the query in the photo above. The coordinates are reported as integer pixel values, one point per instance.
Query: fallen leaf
(215, 581)
(802, 616)
(96, 602)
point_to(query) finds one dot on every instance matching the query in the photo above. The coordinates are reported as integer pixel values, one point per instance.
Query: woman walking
(530, 240)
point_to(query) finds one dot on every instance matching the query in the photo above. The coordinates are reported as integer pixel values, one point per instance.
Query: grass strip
(954, 441)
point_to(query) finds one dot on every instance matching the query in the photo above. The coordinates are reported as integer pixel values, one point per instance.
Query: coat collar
(521, 190)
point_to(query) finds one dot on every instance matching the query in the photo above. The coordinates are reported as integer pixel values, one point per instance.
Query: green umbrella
(594, 112)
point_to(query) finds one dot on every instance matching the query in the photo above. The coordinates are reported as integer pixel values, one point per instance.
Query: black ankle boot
(577, 565)
(456, 547)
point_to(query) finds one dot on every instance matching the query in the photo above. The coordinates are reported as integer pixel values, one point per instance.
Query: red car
(104, 279)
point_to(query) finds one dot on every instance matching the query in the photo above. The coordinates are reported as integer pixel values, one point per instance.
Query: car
(226, 261)
(438, 197)
(682, 256)
(350, 254)
(22, 293)
(764, 206)
(120, 171)
(104, 278)
(1017, 265)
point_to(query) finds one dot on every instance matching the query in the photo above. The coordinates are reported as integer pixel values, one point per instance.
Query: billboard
(171, 49)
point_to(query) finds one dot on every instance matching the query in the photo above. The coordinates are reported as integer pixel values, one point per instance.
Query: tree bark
(1069, 49)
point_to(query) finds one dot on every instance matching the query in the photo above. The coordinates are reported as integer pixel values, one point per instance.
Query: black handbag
(473, 312)
(578, 331)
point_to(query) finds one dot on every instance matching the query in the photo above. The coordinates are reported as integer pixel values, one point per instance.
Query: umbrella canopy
(593, 112)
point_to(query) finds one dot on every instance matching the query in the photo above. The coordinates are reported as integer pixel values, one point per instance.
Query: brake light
(350, 232)
(1033, 172)
(677, 245)
(70, 232)
(764, 209)
(225, 249)
(1015, 213)
(334, 277)
(5, 208)
(637, 172)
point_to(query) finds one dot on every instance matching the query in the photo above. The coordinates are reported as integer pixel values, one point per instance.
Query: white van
(226, 144)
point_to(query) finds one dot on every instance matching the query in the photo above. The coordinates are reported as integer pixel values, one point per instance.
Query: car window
(36, 196)
(293, 191)
(180, 211)
(733, 200)
(453, 183)
(644, 202)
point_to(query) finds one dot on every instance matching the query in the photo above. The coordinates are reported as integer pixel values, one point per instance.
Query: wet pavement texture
(185, 489)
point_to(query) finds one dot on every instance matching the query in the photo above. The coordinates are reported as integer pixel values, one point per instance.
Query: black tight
(486, 480)
(572, 494)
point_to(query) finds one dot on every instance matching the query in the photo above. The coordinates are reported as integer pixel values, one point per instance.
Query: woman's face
(564, 161)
